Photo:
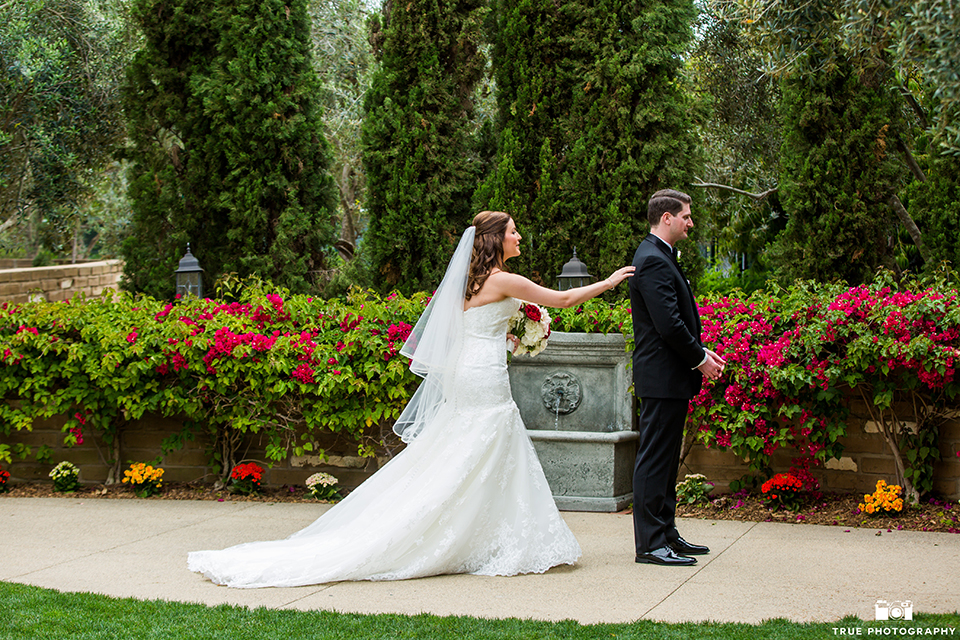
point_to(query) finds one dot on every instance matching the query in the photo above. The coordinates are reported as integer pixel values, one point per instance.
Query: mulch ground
(839, 510)
(171, 491)
(829, 509)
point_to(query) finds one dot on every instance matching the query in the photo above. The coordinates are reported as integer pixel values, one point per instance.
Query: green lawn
(31, 613)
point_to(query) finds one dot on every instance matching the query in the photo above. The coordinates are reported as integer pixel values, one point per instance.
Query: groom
(669, 362)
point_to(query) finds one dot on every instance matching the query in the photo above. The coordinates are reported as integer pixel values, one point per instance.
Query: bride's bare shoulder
(493, 289)
(498, 276)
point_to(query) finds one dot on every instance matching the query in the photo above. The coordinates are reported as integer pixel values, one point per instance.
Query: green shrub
(284, 367)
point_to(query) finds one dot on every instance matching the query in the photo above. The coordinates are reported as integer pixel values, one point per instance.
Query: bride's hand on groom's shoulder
(620, 275)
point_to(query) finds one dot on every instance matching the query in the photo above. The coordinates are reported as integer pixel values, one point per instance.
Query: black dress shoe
(682, 546)
(666, 556)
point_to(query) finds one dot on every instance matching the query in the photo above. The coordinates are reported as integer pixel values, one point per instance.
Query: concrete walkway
(757, 571)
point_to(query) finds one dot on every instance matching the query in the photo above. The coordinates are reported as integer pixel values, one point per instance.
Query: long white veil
(435, 342)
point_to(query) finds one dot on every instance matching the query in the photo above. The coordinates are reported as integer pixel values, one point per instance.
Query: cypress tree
(420, 149)
(227, 144)
(593, 118)
(838, 175)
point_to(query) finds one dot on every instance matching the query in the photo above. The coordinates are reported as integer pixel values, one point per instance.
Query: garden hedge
(292, 368)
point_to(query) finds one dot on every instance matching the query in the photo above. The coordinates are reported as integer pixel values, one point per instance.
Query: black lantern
(189, 280)
(574, 274)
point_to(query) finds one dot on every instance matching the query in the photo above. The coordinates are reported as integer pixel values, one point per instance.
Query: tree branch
(911, 161)
(755, 196)
(917, 109)
(911, 228)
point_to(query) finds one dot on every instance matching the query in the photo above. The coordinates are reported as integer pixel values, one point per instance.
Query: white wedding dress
(468, 495)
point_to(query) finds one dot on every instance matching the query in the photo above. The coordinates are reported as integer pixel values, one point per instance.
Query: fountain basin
(587, 471)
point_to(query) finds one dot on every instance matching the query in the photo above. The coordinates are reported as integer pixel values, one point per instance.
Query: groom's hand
(712, 367)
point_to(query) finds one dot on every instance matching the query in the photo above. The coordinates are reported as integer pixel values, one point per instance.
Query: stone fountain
(575, 402)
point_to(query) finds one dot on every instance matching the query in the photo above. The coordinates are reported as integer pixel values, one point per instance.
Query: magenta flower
(400, 331)
(303, 373)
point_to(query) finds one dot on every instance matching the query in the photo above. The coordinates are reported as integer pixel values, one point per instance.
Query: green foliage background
(60, 119)
(420, 152)
(593, 117)
(227, 146)
(935, 204)
(838, 173)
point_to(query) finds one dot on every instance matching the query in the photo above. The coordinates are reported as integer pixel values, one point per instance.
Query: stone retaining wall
(141, 442)
(865, 460)
(60, 282)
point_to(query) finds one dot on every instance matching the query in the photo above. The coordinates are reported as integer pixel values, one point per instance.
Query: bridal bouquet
(531, 325)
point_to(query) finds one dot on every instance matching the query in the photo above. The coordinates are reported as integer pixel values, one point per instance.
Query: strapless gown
(468, 495)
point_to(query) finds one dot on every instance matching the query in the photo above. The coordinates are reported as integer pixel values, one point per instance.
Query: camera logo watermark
(894, 611)
(902, 610)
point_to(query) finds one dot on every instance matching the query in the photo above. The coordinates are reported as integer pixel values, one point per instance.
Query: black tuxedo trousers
(655, 472)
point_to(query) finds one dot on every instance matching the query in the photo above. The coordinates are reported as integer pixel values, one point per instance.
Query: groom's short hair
(666, 201)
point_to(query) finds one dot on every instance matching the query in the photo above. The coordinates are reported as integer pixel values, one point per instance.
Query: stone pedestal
(575, 403)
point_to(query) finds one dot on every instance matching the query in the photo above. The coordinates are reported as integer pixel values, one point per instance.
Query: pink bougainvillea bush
(284, 367)
(796, 357)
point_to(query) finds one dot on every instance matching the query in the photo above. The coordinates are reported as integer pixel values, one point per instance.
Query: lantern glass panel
(190, 283)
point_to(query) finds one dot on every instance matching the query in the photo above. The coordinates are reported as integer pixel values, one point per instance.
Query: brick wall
(60, 282)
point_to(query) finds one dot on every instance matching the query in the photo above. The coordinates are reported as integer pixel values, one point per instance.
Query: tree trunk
(917, 109)
(889, 433)
(76, 239)
(689, 437)
(726, 187)
(113, 474)
(348, 226)
(910, 493)
(911, 161)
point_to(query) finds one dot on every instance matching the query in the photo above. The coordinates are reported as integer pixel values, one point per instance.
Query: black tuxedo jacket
(666, 326)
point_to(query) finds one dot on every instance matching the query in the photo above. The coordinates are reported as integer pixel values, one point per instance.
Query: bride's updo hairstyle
(487, 248)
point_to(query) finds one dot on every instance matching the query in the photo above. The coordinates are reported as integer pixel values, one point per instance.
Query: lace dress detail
(467, 496)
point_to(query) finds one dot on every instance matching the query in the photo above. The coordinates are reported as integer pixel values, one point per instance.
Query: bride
(467, 494)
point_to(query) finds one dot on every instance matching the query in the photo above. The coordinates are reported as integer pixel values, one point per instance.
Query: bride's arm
(516, 286)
